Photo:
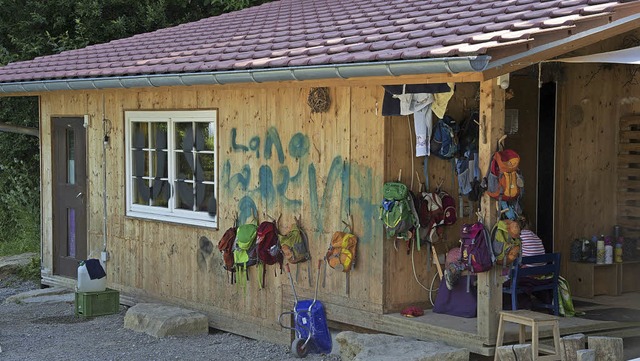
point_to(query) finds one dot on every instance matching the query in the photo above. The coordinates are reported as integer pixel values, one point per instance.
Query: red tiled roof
(297, 33)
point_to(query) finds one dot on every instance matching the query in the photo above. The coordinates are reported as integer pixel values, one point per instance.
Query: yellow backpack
(342, 251)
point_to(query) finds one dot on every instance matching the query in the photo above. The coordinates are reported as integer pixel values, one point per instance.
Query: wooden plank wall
(593, 98)
(628, 170)
(401, 287)
(334, 164)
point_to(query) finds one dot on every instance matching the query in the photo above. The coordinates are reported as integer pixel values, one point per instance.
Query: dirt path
(50, 331)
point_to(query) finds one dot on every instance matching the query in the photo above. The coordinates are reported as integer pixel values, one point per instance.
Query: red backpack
(225, 246)
(268, 247)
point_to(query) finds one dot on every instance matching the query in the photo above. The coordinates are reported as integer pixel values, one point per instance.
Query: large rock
(10, 264)
(161, 320)
(379, 347)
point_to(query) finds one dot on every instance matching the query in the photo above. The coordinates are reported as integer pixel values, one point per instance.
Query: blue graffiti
(273, 140)
(269, 190)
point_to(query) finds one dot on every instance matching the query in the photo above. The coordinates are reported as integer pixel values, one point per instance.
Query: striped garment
(531, 244)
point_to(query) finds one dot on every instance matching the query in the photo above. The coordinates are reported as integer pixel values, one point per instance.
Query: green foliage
(31, 271)
(32, 28)
(19, 179)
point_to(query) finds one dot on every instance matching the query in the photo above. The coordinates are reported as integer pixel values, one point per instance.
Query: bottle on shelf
(608, 250)
(599, 249)
(618, 250)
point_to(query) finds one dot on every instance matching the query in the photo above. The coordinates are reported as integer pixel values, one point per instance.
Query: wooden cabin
(153, 146)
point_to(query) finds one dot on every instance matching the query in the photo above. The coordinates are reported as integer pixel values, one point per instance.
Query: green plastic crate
(90, 304)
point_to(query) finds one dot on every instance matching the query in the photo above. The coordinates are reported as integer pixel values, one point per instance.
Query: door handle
(79, 195)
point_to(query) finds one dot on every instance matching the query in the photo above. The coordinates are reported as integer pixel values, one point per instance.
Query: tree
(31, 28)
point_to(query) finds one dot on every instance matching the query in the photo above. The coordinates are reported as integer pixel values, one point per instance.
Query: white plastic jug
(86, 284)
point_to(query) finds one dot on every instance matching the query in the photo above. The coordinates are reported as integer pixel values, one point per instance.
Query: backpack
(398, 211)
(294, 245)
(434, 214)
(444, 143)
(225, 246)
(468, 134)
(504, 180)
(449, 215)
(244, 252)
(505, 241)
(476, 252)
(342, 251)
(268, 247)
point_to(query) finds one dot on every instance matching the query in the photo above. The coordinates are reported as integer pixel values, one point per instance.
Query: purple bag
(476, 253)
(457, 301)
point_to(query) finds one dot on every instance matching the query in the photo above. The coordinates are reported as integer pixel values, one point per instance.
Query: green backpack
(294, 245)
(506, 242)
(244, 251)
(397, 211)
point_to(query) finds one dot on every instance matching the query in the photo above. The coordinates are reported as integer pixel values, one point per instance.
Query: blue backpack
(444, 142)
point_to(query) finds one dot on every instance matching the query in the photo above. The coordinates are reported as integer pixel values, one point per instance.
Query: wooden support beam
(492, 107)
(10, 128)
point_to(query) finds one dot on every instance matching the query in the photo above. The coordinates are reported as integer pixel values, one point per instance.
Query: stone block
(378, 347)
(161, 320)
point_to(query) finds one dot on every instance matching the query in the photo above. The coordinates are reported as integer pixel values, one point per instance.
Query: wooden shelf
(591, 279)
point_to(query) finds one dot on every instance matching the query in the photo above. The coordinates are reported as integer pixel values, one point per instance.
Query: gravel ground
(50, 331)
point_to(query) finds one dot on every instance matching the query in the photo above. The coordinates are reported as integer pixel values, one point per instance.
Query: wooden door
(69, 194)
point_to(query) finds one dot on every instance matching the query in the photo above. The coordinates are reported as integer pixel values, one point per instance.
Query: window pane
(158, 136)
(205, 198)
(184, 195)
(141, 191)
(184, 166)
(205, 136)
(140, 163)
(184, 136)
(160, 164)
(160, 193)
(139, 136)
(205, 167)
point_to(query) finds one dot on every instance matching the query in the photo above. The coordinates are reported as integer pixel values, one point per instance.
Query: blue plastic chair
(522, 280)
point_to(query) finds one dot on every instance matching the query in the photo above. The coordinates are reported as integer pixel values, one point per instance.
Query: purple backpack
(476, 253)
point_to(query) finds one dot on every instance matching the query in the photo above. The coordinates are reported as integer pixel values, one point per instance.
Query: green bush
(30, 272)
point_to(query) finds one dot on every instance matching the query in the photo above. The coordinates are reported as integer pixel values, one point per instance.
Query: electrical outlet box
(104, 256)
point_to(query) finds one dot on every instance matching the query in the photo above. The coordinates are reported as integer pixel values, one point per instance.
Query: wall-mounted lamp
(503, 81)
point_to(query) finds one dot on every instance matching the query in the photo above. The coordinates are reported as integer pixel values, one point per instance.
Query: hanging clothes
(391, 105)
(439, 106)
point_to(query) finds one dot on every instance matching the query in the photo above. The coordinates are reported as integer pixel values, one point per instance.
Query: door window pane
(71, 156)
(71, 232)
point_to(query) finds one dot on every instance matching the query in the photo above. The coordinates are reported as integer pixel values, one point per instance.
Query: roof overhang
(624, 56)
(449, 65)
(536, 53)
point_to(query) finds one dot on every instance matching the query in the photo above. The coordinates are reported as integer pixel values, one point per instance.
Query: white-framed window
(172, 168)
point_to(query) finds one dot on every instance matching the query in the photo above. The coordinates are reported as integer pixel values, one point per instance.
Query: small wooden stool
(534, 320)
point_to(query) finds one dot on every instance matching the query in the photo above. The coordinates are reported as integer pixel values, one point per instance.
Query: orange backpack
(342, 251)
(504, 180)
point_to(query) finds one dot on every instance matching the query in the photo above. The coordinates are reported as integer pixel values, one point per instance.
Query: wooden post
(586, 355)
(569, 346)
(514, 353)
(489, 283)
(606, 348)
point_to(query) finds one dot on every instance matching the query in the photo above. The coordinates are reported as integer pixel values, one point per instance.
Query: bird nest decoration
(319, 100)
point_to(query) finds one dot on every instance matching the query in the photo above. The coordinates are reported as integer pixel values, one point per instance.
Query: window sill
(172, 219)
